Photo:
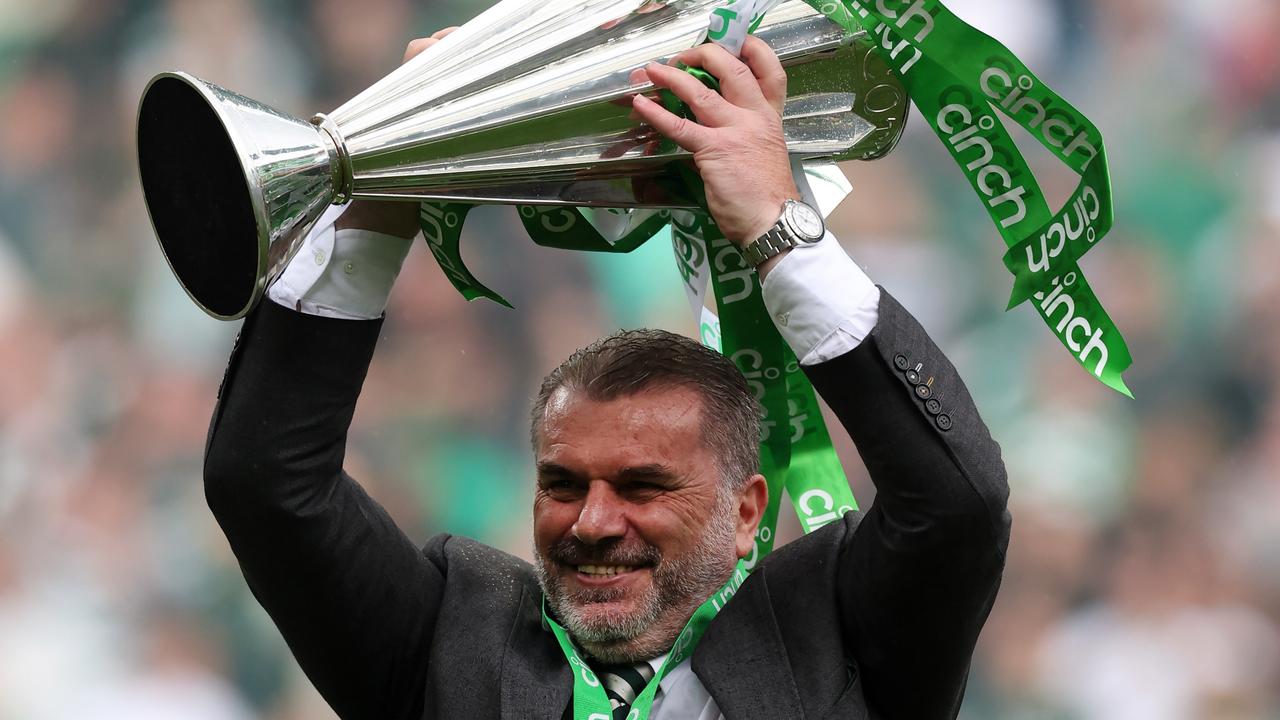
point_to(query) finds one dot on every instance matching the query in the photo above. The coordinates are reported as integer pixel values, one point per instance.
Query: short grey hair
(630, 361)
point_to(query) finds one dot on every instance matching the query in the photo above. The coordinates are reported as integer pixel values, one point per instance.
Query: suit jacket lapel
(536, 683)
(742, 662)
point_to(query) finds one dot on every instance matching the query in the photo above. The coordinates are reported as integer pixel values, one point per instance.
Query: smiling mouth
(606, 570)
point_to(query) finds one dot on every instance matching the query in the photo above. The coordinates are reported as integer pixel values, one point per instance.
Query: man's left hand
(737, 142)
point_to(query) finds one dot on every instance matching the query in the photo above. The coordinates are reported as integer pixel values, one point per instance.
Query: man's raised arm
(919, 573)
(355, 599)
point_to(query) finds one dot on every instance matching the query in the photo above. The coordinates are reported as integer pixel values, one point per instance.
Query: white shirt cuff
(344, 274)
(823, 304)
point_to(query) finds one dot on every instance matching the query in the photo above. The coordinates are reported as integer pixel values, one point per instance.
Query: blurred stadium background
(1143, 580)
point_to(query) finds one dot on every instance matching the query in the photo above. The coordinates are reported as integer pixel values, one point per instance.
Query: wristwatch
(798, 224)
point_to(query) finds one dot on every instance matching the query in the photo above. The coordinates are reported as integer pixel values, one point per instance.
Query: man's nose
(602, 516)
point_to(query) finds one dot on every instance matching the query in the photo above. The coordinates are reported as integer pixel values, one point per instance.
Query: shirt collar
(673, 675)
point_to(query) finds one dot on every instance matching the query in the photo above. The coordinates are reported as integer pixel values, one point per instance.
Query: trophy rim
(204, 90)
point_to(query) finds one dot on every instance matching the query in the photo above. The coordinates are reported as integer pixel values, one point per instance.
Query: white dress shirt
(682, 696)
(823, 304)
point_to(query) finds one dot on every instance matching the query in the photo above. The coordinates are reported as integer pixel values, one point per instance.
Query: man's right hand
(391, 217)
(737, 141)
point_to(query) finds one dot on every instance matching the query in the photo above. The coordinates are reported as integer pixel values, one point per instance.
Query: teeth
(603, 569)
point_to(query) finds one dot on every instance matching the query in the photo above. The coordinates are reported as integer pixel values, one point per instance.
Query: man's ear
(752, 500)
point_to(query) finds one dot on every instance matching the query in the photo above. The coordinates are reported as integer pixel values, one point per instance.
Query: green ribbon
(568, 228)
(960, 78)
(795, 448)
(441, 225)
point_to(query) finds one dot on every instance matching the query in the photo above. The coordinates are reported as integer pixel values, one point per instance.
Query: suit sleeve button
(900, 361)
(924, 392)
(913, 377)
(944, 422)
(933, 406)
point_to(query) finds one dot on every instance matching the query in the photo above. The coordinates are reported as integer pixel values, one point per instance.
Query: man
(647, 495)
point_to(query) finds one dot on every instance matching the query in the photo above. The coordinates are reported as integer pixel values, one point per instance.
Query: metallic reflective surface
(550, 108)
(281, 178)
(529, 111)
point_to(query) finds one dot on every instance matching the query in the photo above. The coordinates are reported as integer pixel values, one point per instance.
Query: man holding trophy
(648, 488)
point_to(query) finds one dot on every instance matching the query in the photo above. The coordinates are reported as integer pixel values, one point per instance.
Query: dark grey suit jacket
(873, 616)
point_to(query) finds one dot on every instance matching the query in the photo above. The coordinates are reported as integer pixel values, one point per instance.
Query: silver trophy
(526, 104)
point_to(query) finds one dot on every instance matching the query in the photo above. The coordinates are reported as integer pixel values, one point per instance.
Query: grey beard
(680, 584)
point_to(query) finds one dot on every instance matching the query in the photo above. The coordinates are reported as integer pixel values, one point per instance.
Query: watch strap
(776, 239)
(767, 245)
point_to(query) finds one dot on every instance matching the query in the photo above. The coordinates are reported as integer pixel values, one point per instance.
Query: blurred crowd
(1143, 577)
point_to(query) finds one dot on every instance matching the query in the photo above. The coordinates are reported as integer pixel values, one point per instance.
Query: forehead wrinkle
(650, 427)
(693, 401)
(693, 406)
(676, 405)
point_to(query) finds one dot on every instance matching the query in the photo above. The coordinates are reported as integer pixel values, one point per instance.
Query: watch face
(807, 222)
